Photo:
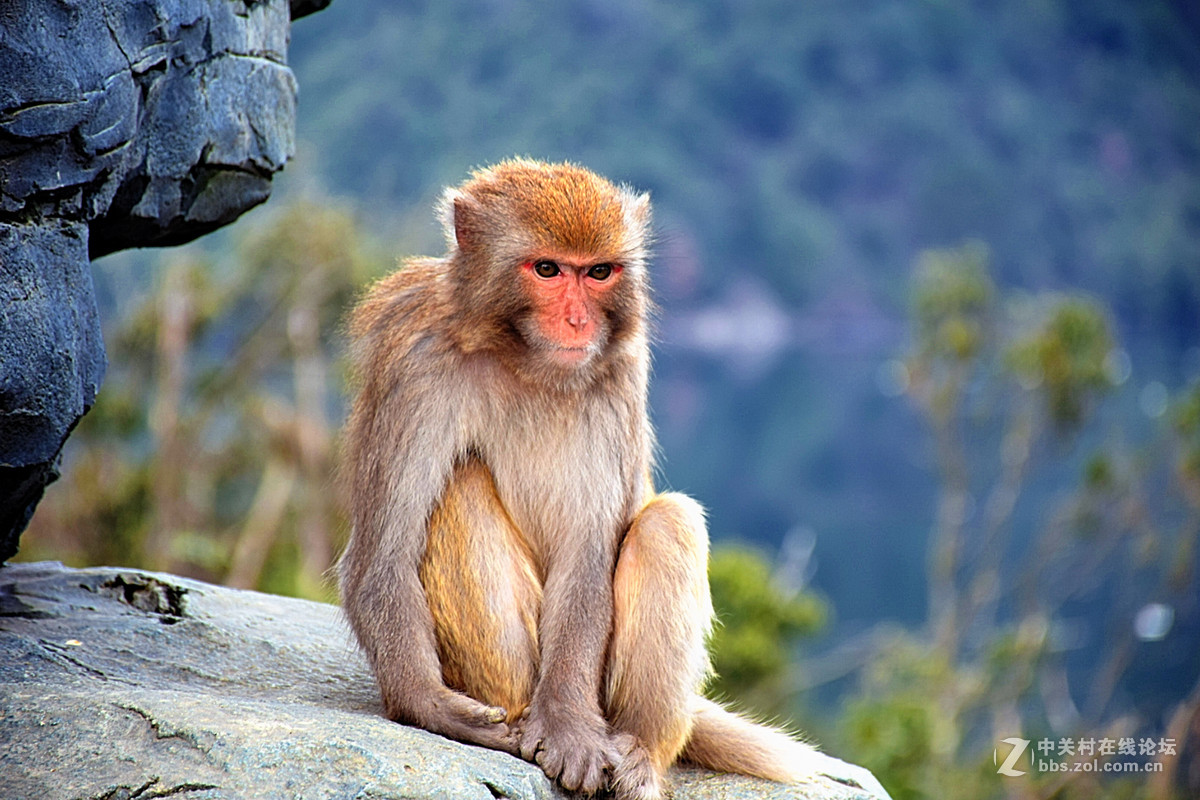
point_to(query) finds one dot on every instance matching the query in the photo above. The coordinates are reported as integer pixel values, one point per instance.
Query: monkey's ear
(641, 208)
(462, 220)
(637, 213)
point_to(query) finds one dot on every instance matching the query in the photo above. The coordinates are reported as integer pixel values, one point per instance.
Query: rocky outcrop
(123, 123)
(121, 683)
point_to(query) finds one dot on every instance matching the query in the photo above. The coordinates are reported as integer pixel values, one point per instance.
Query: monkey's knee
(663, 562)
(672, 524)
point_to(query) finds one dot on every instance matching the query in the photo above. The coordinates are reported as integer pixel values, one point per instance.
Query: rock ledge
(118, 683)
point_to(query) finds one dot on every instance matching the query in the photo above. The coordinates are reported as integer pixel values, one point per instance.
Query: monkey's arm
(564, 730)
(402, 439)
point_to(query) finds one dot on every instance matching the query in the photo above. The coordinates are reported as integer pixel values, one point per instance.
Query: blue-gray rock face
(51, 359)
(123, 123)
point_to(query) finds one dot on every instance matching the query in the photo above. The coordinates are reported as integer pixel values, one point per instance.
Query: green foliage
(953, 302)
(1185, 416)
(1187, 428)
(1067, 357)
(1058, 347)
(898, 727)
(953, 318)
(758, 624)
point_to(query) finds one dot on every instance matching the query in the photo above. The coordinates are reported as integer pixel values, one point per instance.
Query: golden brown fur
(511, 576)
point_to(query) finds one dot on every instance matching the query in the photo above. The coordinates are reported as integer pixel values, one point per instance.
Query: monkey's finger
(495, 735)
(478, 714)
(577, 769)
(622, 745)
(584, 771)
(618, 749)
(594, 776)
(530, 747)
(551, 762)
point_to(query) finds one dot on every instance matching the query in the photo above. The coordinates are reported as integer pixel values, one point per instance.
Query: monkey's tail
(724, 741)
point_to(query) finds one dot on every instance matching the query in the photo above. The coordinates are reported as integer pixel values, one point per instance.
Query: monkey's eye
(546, 269)
(600, 272)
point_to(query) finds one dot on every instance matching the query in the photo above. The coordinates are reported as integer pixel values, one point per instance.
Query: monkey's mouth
(572, 355)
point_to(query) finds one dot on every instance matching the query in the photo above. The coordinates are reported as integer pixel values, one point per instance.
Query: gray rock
(51, 359)
(154, 121)
(121, 684)
(123, 123)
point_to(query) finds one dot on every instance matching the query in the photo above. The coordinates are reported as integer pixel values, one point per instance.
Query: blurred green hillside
(801, 156)
(808, 145)
(929, 341)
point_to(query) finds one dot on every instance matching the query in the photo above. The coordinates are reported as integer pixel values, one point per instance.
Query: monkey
(512, 575)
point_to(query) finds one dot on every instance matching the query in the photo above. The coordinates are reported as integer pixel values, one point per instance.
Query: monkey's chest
(560, 486)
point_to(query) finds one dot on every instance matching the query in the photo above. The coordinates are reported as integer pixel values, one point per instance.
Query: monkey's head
(548, 263)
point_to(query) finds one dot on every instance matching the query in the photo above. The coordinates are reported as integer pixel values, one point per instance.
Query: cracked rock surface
(123, 123)
(117, 683)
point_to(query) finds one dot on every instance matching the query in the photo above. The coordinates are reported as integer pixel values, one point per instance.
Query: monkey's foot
(571, 747)
(634, 776)
(457, 716)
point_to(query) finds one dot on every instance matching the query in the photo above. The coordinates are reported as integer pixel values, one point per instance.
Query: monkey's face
(571, 304)
(548, 269)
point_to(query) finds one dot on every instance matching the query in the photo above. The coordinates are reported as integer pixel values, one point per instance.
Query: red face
(567, 301)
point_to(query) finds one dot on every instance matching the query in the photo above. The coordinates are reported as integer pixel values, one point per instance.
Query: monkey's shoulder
(401, 309)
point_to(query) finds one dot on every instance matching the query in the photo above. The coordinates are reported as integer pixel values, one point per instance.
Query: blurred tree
(903, 730)
(209, 453)
(759, 621)
(1009, 387)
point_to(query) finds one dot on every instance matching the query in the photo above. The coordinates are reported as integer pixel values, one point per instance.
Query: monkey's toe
(635, 778)
(583, 772)
(570, 748)
(467, 720)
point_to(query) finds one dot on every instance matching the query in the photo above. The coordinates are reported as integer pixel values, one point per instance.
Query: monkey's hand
(457, 716)
(571, 746)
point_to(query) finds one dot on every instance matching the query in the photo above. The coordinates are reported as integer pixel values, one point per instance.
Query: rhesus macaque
(512, 576)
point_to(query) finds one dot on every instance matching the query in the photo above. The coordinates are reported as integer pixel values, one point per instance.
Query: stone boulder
(118, 683)
(123, 123)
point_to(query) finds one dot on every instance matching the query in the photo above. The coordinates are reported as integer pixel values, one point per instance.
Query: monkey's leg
(657, 656)
(483, 594)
